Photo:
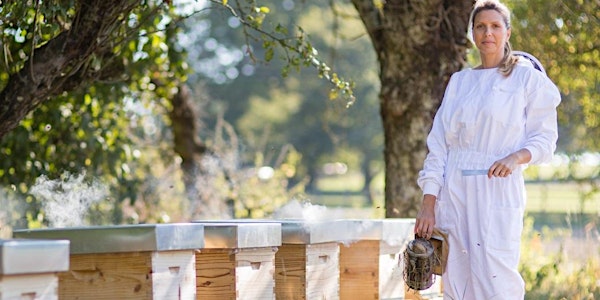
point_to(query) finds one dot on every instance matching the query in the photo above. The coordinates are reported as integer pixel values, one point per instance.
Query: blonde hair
(509, 60)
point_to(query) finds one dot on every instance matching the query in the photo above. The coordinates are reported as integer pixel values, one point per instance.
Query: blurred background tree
(271, 111)
(563, 35)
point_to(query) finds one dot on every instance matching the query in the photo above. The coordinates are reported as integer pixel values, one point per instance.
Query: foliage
(294, 109)
(100, 129)
(103, 127)
(563, 35)
(552, 276)
(296, 52)
(230, 186)
(267, 188)
(115, 128)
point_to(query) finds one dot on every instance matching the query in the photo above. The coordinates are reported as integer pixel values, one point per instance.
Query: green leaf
(333, 94)
(269, 54)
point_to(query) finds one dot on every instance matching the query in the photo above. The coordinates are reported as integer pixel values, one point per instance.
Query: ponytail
(508, 61)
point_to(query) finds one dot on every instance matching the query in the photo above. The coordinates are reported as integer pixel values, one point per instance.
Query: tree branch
(57, 65)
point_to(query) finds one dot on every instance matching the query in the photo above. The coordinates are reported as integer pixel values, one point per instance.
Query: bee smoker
(419, 264)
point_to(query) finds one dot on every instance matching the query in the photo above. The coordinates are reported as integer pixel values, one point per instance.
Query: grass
(558, 197)
(550, 202)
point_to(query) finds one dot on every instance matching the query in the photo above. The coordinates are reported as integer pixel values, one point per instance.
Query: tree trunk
(419, 44)
(369, 176)
(186, 139)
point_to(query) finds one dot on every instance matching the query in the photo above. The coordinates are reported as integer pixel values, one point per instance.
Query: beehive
(370, 260)
(29, 268)
(307, 264)
(129, 261)
(237, 261)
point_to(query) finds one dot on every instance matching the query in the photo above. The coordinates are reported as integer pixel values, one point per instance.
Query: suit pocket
(507, 105)
(505, 228)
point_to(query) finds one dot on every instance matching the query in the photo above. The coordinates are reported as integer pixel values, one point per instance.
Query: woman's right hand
(425, 221)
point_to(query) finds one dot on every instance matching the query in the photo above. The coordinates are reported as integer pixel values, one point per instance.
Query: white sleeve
(541, 127)
(431, 177)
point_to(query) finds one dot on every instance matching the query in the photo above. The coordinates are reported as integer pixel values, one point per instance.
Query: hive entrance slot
(255, 265)
(323, 258)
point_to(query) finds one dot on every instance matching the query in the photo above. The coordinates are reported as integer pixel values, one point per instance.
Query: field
(554, 204)
(560, 198)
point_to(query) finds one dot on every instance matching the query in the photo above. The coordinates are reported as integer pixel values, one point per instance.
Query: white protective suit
(485, 116)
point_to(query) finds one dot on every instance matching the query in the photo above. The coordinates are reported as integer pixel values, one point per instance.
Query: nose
(488, 31)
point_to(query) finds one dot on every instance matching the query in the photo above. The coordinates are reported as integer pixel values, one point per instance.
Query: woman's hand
(505, 166)
(425, 221)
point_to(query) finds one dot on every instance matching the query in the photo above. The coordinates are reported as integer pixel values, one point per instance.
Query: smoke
(66, 201)
(303, 211)
(11, 210)
(306, 211)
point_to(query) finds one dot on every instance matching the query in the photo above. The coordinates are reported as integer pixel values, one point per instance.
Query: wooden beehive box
(393, 238)
(237, 261)
(370, 260)
(307, 263)
(29, 268)
(368, 263)
(128, 262)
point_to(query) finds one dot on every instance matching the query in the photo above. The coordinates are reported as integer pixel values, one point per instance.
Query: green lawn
(560, 198)
(547, 197)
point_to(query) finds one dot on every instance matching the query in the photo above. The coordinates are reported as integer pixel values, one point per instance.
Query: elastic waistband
(470, 160)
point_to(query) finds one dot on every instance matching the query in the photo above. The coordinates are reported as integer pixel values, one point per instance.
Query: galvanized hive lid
(23, 256)
(124, 238)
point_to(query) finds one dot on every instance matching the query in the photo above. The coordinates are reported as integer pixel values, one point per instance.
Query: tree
(105, 65)
(418, 44)
(58, 60)
(70, 71)
(563, 36)
(293, 109)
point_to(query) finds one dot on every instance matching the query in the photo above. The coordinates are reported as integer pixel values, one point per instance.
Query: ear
(508, 34)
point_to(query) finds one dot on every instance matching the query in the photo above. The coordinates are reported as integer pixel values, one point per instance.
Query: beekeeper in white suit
(493, 120)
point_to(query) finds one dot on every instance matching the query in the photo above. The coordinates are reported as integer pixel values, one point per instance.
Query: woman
(493, 119)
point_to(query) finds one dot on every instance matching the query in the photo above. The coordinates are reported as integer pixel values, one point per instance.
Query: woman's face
(490, 32)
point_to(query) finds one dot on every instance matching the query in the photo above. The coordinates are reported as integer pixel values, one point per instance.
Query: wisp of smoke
(66, 201)
(11, 210)
(304, 211)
